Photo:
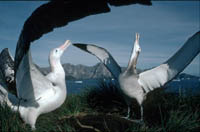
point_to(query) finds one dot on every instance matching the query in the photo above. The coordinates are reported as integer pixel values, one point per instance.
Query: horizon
(164, 27)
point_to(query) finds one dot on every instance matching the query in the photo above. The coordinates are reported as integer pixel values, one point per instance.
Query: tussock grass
(11, 121)
(162, 112)
(8, 119)
(105, 99)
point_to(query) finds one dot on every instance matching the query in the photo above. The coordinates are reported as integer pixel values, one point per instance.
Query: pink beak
(65, 45)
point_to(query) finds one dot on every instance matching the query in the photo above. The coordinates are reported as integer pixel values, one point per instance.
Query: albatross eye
(56, 51)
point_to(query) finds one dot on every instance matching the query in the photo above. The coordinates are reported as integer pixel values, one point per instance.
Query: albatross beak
(65, 45)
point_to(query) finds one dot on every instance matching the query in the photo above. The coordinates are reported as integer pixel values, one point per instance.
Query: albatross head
(136, 51)
(56, 53)
(136, 45)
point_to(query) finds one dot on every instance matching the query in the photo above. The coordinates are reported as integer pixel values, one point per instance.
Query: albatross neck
(133, 61)
(56, 66)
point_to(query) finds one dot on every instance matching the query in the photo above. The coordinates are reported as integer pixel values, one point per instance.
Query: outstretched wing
(56, 14)
(164, 73)
(104, 56)
(31, 83)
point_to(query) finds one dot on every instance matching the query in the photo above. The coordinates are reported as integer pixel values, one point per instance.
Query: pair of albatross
(36, 93)
(135, 85)
(33, 89)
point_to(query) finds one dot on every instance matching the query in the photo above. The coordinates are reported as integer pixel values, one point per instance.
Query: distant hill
(74, 72)
(82, 72)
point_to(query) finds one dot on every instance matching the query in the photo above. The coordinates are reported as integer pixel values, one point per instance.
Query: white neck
(57, 70)
(133, 60)
(55, 65)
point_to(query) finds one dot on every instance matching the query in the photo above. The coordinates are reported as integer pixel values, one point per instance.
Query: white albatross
(37, 94)
(135, 85)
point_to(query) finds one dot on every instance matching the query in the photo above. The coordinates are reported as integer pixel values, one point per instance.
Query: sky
(164, 27)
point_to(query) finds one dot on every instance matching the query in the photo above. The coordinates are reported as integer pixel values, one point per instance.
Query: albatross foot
(33, 128)
(137, 121)
(126, 117)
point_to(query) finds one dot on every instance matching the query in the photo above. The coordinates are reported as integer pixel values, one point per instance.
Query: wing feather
(31, 83)
(160, 75)
(104, 56)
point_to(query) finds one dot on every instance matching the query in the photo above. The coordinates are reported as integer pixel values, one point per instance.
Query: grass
(10, 121)
(99, 109)
(105, 99)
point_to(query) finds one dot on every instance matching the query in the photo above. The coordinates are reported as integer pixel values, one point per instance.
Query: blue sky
(163, 28)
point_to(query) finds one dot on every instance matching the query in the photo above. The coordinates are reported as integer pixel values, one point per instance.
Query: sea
(182, 86)
(78, 86)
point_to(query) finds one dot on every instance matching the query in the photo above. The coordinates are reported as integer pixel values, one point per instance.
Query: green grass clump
(74, 105)
(182, 121)
(162, 111)
(104, 106)
(11, 121)
(105, 99)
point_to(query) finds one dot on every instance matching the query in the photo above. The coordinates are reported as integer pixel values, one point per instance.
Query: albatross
(135, 85)
(38, 94)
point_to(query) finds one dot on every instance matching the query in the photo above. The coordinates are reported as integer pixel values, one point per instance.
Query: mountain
(74, 72)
